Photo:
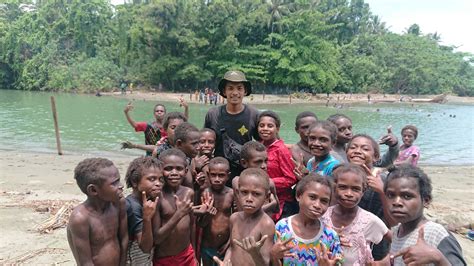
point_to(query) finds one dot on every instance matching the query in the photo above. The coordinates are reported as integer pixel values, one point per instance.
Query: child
(186, 139)
(97, 229)
(251, 227)
(172, 223)
(363, 150)
(344, 134)
(303, 239)
(356, 227)
(170, 122)
(145, 177)
(254, 155)
(321, 138)
(280, 166)
(207, 143)
(216, 230)
(302, 124)
(409, 153)
(416, 240)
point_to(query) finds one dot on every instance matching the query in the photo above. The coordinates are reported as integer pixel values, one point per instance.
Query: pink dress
(405, 153)
(366, 229)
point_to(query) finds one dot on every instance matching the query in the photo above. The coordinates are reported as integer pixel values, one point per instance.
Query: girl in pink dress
(409, 153)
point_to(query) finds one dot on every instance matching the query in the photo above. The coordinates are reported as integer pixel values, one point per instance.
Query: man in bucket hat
(235, 122)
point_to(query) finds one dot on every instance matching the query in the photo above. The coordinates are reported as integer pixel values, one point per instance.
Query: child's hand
(326, 258)
(281, 249)
(200, 162)
(149, 207)
(220, 262)
(300, 169)
(128, 107)
(374, 180)
(390, 139)
(183, 207)
(421, 253)
(208, 200)
(127, 145)
(342, 238)
(222, 250)
(250, 245)
(182, 102)
(201, 179)
(161, 141)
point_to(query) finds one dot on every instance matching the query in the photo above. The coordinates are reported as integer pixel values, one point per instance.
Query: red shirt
(280, 169)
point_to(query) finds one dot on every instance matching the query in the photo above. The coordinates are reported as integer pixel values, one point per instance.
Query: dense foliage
(180, 45)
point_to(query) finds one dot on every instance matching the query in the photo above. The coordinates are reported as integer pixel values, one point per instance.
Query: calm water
(97, 125)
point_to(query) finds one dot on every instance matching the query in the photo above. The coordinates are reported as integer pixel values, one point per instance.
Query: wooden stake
(56, 127)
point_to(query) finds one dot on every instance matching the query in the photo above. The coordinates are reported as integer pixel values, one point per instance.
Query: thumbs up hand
(421, 253)
(390, 139)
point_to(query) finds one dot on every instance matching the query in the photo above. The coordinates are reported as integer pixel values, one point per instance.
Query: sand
(26, 178)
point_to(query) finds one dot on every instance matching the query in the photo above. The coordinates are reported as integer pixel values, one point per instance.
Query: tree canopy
(181, 45)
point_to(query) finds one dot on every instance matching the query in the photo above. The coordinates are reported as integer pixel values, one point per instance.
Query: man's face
(235, 92)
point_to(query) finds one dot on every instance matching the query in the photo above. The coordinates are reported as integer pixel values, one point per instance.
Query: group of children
(321, 201)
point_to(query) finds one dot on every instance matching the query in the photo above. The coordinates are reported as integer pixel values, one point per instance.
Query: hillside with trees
(180, 45)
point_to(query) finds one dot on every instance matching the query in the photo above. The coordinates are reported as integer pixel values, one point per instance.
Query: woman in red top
(280, 166)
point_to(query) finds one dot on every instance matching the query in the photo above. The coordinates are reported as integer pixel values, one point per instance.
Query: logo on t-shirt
(243, 130)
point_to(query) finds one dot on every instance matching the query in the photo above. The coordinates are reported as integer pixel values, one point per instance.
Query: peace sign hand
(326, 258)
(374, 180)
(300, 169)
(220, 262)
(149, 206)
(250, 245)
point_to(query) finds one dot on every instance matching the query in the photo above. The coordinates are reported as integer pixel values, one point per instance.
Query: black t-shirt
(134, 216)
(241, 127)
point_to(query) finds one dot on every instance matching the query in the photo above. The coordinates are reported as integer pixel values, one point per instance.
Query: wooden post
(56, 127)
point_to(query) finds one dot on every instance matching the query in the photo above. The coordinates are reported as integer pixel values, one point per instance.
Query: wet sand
(32, 177)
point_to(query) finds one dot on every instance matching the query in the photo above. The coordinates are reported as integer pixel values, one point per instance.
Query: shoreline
(28, 179)
(334, 98)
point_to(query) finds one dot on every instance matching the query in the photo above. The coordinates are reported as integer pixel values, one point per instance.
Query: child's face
(151, 182)
(404, 199)
(361, 152)
(218, 175)
(349, 189)
(159, 112)
(207, 143)
(303, 127)
(174, 170)
(111, 189)
(314, 201)
(408, 137)
(344, 130)
(252, 194)
(258, 159)
(319, 142)
(190, 147)
(267, 129)
(173, 123)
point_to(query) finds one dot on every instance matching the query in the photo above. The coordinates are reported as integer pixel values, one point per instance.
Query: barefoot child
(97, 229)
(186, 139)
(254, 155)
(251, 228)
(409, 153)
(417, 241)
(172, 223)
(303, 239)
(357, 228)
(280, 165)
(216, 228)
(301, 149)
(145, 177)
(321, 138)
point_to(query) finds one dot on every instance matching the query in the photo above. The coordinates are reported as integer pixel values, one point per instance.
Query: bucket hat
(234, 76)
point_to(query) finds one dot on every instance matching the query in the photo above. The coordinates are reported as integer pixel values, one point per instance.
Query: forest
(283, 46)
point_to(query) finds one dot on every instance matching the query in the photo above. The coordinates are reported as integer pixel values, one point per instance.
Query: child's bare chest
(105, 227)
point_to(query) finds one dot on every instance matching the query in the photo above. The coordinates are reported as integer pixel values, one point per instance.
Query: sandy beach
(32, 183)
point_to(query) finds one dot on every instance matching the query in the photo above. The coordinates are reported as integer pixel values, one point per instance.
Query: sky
(450, 19)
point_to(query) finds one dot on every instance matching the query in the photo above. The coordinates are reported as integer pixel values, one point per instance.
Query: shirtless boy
(216, 230)
(172, 223)
(251, 228)
(97, 230)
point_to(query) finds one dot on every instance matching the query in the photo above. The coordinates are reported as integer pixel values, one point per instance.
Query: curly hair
(87, 172)
(304, 115)
(250, 146)
(312, 177)
(326, 125)
(136, 168)
(173, 115)
(259, 174)
(409, 171)
(412, 128)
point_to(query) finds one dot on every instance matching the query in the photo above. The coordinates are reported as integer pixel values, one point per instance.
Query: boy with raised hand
(172, 223)
(251, 227)
(97, 229)
(216, 228)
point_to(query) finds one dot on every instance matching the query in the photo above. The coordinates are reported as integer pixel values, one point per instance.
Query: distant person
(409, 153)
(97, 228)
(123, 87)
(234, 123)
